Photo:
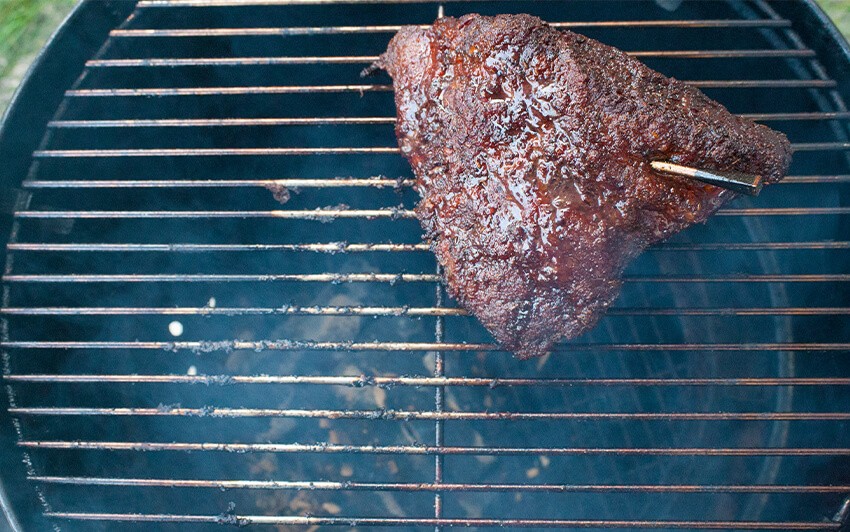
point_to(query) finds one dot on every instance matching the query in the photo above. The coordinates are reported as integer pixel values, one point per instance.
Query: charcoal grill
(217, 309)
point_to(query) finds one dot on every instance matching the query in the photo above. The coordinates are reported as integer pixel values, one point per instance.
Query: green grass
(24, 27)
(839, 11)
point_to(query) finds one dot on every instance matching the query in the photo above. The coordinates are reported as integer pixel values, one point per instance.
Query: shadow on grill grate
(220, 310)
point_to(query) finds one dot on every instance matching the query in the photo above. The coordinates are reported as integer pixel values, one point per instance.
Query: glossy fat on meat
(531, 151)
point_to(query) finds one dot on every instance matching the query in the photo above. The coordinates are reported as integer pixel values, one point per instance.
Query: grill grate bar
(377, 182)
(287, 3)
(331, 247)
(312, 214)
(394, 213)
(785, 211)
(437, 381)
(220, 122)
(439, 392)
(751, 246)
(227, 278)
(223, 91)
(335, 30)
(391, 278)
(820, 146)
(367, 59)
(345, 247)
(837, 115)
(215, 152)
(424, 486)
(242, 61)
(368, 120)
(348, 150)
(245, 520)
(313, 89)
(399, 311)
(292, 345)
(407, 415)
(329, 448)
(815, 179)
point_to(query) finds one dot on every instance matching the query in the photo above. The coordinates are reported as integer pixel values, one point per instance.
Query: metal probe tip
(734, 181)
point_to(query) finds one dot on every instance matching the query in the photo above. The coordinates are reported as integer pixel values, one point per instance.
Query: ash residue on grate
(280, 193)
(229, 517)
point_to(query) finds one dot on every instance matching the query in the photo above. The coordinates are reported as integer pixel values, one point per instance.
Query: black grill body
(219, 169)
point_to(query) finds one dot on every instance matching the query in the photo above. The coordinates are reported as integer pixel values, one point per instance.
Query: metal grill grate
(182, 348)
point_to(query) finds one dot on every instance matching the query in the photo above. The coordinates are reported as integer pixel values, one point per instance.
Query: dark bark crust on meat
(531, 149)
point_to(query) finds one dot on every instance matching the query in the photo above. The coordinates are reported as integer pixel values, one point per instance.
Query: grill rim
(56, 66)
(64, 47)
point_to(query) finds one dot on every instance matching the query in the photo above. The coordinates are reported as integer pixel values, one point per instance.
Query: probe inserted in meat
(533, 151)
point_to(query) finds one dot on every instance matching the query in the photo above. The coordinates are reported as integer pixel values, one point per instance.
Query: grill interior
(223, 165)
